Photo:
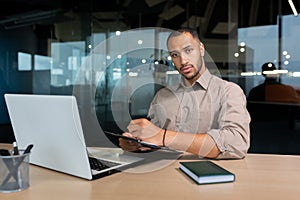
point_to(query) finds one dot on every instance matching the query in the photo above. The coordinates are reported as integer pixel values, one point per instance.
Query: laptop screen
(52, 124)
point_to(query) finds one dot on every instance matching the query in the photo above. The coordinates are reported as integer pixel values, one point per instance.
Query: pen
(16, 150)
(28, 149)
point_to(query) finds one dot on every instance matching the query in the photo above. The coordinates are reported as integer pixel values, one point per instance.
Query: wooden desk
(257, 177)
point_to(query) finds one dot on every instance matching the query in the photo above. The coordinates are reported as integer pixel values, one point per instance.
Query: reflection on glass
(24, 61)
(42, 62)
(66, 61)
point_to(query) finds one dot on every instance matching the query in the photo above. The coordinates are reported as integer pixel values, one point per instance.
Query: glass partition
(112, 56)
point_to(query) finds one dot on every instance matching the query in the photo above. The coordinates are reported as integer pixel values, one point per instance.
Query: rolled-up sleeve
(232, 136)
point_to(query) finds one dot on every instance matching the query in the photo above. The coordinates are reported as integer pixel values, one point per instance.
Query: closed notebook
(205, 172)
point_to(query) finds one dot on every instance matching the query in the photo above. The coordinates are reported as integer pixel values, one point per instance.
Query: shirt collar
(202, 81)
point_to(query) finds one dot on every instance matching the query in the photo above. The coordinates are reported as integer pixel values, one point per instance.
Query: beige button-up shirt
(213, 106)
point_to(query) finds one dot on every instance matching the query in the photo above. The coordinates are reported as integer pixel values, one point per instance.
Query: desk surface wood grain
(258, 176)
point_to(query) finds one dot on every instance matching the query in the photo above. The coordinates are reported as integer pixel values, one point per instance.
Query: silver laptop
(52, 124)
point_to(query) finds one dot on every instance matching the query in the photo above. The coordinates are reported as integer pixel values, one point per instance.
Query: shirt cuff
(215, 134)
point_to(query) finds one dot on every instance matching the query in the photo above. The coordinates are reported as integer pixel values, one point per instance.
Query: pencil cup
(14, 172)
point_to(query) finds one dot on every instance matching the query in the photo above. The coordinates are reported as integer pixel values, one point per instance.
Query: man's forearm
(198, 144)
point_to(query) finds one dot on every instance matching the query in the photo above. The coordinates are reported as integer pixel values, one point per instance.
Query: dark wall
(12, 80)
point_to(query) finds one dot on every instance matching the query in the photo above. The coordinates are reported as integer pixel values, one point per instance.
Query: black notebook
(205, 172)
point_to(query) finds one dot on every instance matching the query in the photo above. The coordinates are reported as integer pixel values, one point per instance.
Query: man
(258, 93)
(203, 115)
(271, 90)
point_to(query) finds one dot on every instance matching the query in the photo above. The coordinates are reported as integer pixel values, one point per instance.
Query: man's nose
(183, 59)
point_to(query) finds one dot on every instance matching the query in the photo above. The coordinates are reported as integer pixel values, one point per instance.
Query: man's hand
(129, 145)
(144, 130)
(141, 129)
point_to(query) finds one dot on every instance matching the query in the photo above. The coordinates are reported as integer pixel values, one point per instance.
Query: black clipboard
(140, 142)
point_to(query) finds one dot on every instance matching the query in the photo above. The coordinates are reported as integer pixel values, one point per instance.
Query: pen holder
(14, 172)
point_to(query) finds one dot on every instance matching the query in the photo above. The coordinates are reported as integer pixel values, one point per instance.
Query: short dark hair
(268, 66)
(180, 31)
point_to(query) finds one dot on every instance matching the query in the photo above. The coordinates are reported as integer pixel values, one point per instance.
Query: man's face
(187, 55)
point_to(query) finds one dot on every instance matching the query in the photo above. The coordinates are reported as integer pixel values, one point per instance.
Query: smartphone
(142, 143)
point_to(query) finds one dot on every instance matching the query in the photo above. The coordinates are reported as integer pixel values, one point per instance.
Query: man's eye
(189, 50)
(174, 55)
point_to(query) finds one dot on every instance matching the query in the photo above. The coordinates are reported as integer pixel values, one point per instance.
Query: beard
(197, 72)
(194, 75)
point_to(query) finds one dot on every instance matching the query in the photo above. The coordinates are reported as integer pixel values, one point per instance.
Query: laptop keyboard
(98, 164)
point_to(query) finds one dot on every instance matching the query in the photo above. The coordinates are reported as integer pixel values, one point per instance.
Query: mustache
(183, 66)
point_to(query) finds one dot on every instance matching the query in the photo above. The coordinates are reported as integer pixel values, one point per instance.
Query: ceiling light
(171, 12)
(293, 8)
(248, 73)
(296, 74)
(172, 72)
(118, 33)
(242, 44)
(152, 3)
(134, 74)
(140, 41)
(192, 21)
(236, 55)
(223, 28)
